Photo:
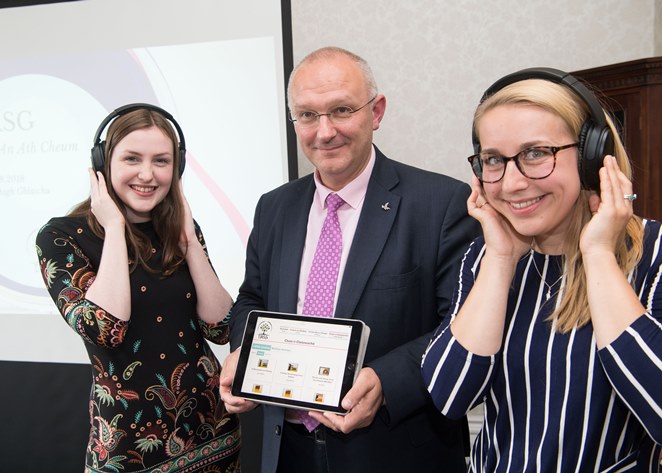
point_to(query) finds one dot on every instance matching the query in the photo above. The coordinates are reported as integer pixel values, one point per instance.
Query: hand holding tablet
(299, 361)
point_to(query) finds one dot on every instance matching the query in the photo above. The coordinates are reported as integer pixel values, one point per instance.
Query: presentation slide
(227, 94)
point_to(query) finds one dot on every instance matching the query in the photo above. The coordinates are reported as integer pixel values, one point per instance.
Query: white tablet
(299, 361)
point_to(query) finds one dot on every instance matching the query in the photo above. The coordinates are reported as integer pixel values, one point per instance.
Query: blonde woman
(555, 325)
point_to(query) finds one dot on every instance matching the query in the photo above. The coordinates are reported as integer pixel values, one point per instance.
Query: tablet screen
(299, 361)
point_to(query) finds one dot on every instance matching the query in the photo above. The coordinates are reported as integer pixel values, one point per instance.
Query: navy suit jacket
(400, 273)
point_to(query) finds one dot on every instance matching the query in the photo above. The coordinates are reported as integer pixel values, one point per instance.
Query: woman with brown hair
(129, 272)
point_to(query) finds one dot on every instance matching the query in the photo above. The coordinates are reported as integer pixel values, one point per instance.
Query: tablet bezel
(350, 370)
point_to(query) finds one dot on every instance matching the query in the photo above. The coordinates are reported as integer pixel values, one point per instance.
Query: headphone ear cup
(182, 160)
(594, 144)
(98, 158)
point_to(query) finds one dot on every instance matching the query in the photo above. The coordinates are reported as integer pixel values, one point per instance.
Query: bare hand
(188, 235)
(611, 211)
(362, 401)
(101, 204)
(500, 237)
(234, 405)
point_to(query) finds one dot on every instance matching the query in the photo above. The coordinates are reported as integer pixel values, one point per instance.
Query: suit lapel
(295, 223)
(380, 208)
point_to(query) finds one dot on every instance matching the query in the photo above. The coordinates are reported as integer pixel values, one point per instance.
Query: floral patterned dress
(155, 404)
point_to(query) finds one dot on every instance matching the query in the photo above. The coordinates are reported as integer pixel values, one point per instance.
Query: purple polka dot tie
(321, 285)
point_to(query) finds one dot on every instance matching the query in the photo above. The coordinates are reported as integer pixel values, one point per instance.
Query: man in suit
(404, 231)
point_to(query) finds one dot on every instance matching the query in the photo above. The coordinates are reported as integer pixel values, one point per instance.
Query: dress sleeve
(68, 274)
(633, 362)
(456, 379)
(219, 332)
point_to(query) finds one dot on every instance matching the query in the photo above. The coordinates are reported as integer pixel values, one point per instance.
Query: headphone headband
(553, 75)
(98, 151)
(596, 139)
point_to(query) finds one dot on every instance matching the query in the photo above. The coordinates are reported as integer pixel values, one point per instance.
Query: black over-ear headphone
(595, 139)
(99, 147)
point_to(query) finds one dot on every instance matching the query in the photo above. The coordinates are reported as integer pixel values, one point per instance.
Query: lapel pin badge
(386, 206)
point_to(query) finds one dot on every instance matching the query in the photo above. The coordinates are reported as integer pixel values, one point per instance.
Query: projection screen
(218, 67)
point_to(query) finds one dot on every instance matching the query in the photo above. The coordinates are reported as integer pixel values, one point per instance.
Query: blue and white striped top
(554, 402)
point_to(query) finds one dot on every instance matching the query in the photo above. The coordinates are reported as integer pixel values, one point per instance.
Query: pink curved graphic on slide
(237, 220)
(240, 225)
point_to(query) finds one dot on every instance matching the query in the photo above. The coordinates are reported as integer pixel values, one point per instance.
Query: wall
(434, 58)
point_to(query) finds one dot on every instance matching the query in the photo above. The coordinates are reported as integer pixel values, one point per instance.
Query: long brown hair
(573, 310)
(167, 216)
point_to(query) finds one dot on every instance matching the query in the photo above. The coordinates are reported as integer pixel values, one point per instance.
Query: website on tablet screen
(297, 360)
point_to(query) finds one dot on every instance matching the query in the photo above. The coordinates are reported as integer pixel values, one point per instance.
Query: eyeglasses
(536, 162)
(339, 114)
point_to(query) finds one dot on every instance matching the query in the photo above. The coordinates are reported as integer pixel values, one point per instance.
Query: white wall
(434, 58)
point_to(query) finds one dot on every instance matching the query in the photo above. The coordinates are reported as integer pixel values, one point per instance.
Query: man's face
(339, 151)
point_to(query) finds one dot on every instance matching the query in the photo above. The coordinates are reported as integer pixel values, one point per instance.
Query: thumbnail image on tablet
(299, 361)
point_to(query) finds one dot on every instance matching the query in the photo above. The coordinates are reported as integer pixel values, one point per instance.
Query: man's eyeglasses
(537, 162)
(339, 114)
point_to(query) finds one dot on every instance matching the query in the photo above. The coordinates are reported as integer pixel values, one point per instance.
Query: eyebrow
(138, 153)
(523, 146)
(341, 101)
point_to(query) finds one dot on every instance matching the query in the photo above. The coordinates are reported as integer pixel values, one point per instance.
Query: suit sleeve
(399, 370)
(250, 295)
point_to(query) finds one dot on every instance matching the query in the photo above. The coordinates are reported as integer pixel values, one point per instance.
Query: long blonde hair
(573, 310)
(167, 216)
